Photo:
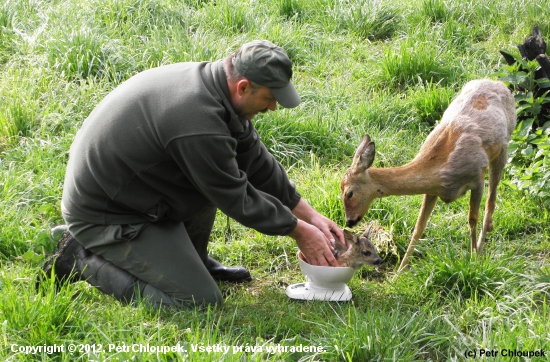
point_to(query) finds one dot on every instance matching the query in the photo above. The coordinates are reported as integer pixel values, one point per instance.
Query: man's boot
(63, 262)
(72, 262)
(235, 274)
(111, 279)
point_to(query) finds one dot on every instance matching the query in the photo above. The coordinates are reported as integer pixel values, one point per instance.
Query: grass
(384, 68)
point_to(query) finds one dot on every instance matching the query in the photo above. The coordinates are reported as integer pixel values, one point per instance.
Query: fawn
(360, 252)
(473, 136)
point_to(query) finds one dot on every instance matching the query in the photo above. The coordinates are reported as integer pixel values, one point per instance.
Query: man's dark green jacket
(165, 144)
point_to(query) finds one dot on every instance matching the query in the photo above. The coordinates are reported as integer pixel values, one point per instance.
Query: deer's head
(362, 250)
(356, 186)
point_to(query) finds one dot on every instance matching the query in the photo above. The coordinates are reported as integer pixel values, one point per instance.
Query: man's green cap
(263, 62)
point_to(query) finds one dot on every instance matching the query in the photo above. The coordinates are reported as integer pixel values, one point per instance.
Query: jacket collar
(235, 123)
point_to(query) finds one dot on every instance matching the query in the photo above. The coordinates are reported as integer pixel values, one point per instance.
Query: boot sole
(48, 266)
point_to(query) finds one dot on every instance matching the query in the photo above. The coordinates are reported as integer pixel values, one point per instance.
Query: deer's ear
(366, 234)
(364, 154)
(350, 237)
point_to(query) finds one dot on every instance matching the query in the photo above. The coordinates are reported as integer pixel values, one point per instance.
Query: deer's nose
(352, 222)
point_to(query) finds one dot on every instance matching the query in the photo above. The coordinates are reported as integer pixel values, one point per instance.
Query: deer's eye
(350, 195)
(366, 253)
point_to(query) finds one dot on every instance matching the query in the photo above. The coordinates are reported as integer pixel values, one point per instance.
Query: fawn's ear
(364, 154)
(366, 234)
(350, 237)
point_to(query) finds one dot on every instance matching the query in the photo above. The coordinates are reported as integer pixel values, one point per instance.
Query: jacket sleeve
(264, 172)
(210, 163)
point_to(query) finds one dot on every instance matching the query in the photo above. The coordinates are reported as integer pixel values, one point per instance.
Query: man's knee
(157, 297)
(213, 299)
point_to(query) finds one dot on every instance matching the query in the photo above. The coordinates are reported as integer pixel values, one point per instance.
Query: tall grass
(372, 20)
(384, 68)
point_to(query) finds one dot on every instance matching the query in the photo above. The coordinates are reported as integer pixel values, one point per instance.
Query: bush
(529, 151)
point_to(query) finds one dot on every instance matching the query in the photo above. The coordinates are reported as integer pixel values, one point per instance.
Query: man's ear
(243, 86)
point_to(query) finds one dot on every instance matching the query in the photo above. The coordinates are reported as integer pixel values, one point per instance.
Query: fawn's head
(362, 249)
(356, 187)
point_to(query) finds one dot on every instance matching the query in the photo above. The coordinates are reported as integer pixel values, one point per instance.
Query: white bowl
(328, 277)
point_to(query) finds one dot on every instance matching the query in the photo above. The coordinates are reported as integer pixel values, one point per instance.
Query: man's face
(255, 101)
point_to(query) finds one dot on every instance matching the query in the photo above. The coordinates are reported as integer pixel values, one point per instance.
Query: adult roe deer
(473, 135)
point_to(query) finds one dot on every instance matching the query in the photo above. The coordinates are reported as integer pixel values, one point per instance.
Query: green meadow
(381, 67)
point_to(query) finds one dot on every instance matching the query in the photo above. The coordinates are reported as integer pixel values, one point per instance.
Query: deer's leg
(473, 213)
(495, 174)
(428, 204)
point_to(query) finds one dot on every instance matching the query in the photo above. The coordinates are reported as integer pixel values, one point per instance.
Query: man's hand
(305, 212)
(314, 234)
(313, 244)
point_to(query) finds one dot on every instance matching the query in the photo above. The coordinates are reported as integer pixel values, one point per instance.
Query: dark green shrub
(529, 151)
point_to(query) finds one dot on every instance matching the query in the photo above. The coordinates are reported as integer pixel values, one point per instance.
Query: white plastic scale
(322, 283)
(309, 291)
